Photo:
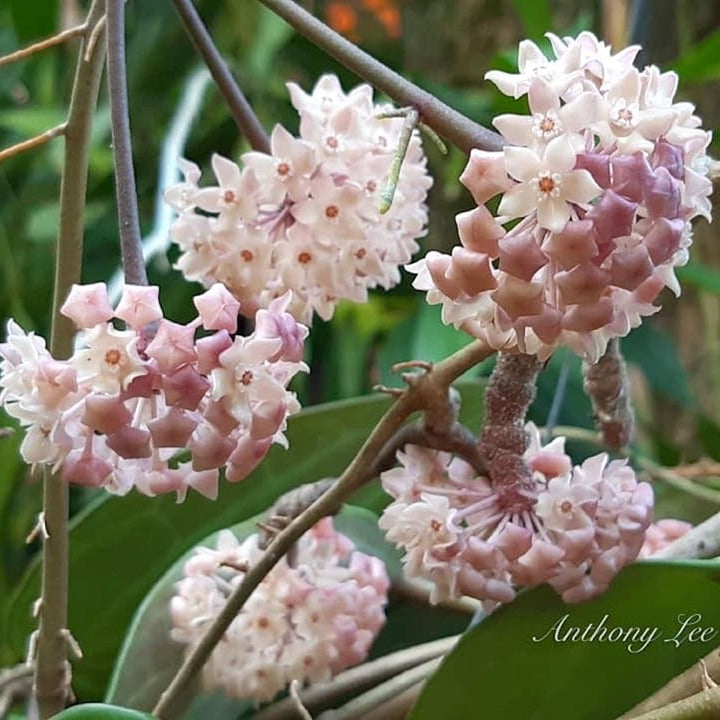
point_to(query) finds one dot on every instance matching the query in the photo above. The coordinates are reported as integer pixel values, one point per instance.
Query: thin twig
(295, 697)
(43, 44)
(320, 696)
(451, 124)
(356, 474)
(50, 683)
(242, 112)
(125, 189)
(33, 142)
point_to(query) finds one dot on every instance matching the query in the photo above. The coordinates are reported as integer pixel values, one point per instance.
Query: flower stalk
(125, 188)
(51, 682)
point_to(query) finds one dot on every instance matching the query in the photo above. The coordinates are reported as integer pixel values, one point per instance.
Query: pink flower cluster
(574, 528)
(603, 177)
(305, 218)
(306, 621)
(128, 401)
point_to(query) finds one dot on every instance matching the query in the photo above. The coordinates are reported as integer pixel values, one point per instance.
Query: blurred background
(444, 46)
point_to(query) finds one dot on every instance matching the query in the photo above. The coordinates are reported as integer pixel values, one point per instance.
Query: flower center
(246, 378)
(284, 170)
(547, 185)
(546, 126)
(304, 257)
(566, 507)
(229, 197)
(331, 212)
(113, 357)
(246, 255)
(332, 143)
(435, 525)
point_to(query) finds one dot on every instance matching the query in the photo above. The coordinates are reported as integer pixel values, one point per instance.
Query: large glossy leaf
(121, 546)
(149, 658)
(97, 711)
(526, 661)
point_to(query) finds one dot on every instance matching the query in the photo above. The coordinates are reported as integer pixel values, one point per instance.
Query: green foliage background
(675, 361)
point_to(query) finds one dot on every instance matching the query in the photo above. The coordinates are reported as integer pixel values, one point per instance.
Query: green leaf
(34, 20)
(120, 546)
(702, 276)
(523, 656)
(433, 340)
(535, 16)
(98, 711)
(656, 353)
(702, 61)
(149, 658)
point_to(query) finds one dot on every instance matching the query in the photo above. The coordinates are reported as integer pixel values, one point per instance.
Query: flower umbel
(603, 178)
(305, 218)
(574, 528)
(117, 413)
(306, 621)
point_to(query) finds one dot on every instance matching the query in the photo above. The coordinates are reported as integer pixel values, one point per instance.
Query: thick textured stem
(702, 541)
(125, 188)
(702, 706)
(425, 388)
(503, 439)
(607, 384)
(684, 685)
(242, 112)
(452, 125)
(51, 674)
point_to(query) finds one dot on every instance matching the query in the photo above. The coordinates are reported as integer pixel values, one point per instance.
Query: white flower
(110, 360)
(547, 183)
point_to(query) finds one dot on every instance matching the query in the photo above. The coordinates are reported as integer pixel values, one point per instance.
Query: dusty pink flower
(603, 176)
(574, 528)
(306, 621)
(303, 221)
(117, 412)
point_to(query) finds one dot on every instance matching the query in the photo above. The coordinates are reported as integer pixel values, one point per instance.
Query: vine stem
(422, 388)
(242, 112)
(50, 684)
(701, 706)
(125, 188)
(459, 129)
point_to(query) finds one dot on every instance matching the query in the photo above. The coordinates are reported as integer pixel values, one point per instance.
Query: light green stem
(51, 675)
